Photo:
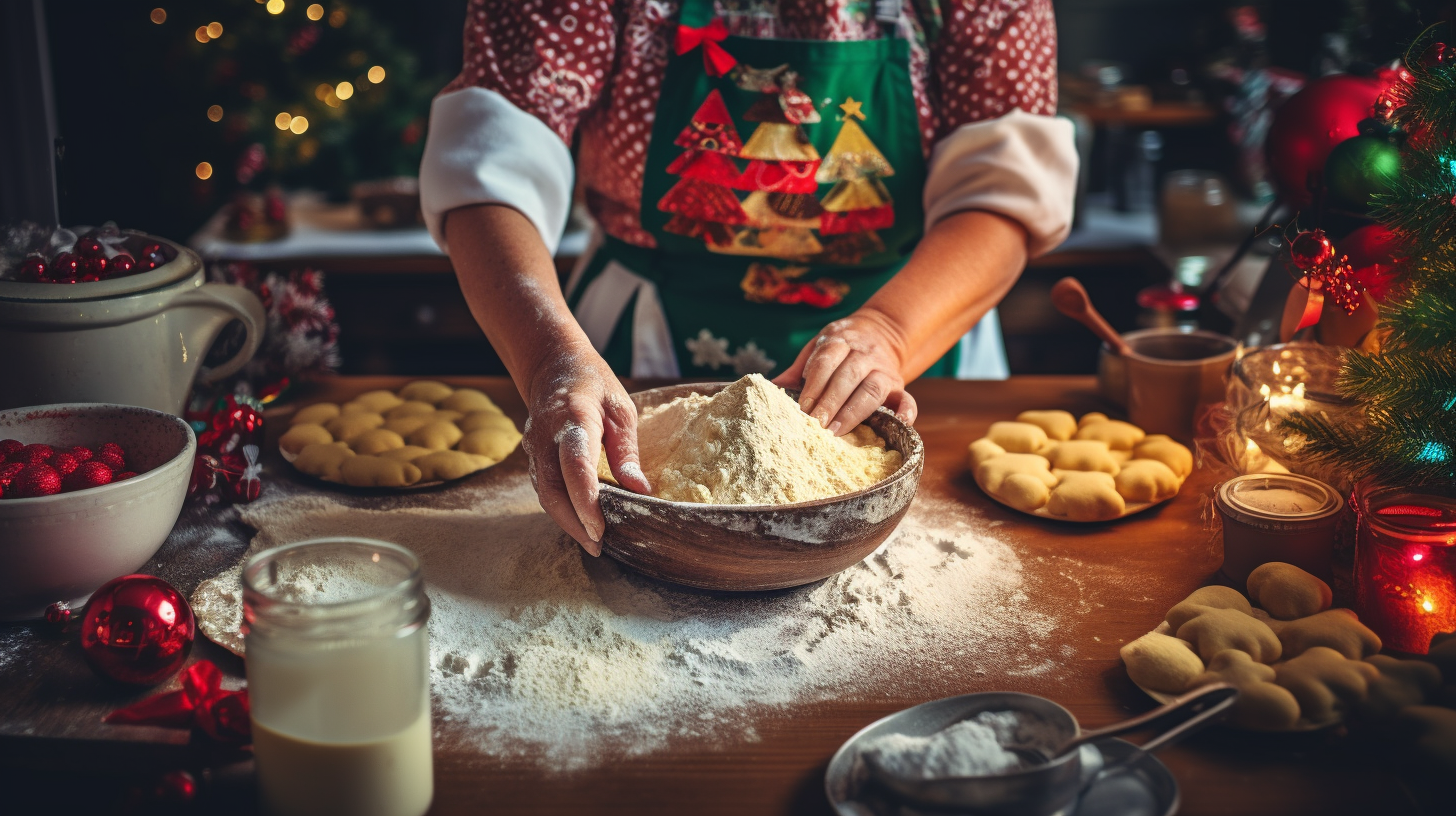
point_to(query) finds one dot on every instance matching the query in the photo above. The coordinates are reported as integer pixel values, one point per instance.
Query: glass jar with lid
(338, 678)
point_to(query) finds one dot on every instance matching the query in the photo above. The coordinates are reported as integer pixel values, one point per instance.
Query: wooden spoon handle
(1070, 298)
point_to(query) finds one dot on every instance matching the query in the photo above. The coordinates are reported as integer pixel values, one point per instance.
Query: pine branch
(1400, 383)
(1422, 314)
(1418, 204)
(1399, 449)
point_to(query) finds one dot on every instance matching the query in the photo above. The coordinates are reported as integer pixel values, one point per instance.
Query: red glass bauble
(150, 257)
(90, 268)
(137, 629)
(1309, 125)
(1311, 249)
(1374, 252)
(64, 268)
(122, 265)
(87, 246)
(32, 269)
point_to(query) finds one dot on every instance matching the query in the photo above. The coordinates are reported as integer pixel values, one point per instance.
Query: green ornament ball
(1358, 168)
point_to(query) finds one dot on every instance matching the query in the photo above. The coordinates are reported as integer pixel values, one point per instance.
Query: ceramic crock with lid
(133, 340)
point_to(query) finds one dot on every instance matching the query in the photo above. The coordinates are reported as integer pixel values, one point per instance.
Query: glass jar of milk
(338, 678)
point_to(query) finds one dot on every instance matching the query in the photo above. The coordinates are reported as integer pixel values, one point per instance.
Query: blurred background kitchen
(287, 142)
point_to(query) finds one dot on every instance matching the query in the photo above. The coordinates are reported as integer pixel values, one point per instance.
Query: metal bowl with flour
(745, 548)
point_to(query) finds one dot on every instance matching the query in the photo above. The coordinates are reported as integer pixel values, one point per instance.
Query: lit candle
(1405, 564)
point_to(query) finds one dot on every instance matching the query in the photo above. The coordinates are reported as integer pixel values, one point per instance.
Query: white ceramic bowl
(62, 547)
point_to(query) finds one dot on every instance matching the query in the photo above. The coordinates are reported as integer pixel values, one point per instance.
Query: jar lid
(183, 264)
(1273, 499)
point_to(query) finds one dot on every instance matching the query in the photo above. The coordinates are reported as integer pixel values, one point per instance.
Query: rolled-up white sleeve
(482, 149)
(1020, 165)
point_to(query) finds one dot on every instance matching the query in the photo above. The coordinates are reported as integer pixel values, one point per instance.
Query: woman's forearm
(509, 280)
(960, 270)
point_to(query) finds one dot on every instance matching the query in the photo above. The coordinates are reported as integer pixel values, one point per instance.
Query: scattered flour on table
(751, 444)
(973, 747)
(542, 653)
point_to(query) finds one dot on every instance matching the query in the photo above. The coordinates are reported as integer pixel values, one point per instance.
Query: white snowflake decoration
(709, 351)
(750, 359)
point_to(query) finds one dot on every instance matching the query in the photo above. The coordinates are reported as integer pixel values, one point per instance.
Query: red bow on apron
(716, 61)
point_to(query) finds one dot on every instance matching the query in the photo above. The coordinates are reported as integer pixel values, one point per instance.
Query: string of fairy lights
(331, 94)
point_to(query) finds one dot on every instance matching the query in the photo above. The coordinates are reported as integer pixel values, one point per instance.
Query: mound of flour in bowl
(751, 444)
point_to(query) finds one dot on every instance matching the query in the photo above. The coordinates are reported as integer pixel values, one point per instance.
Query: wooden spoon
(1071, 299)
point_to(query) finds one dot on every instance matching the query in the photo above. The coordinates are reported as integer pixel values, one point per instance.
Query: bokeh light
(376, 74)
(283, 120)
(214, 30)
(159, 15)
(201, 34)
(204, 171)
(315, 12)
(322, 91)
(345, 90)
(274, 6)
(337, 18)
(298, 125)
(214, 113)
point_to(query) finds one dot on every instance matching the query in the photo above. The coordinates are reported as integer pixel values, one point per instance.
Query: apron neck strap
(696, 13)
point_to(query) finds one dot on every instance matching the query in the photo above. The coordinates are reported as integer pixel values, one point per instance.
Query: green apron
(782, 195)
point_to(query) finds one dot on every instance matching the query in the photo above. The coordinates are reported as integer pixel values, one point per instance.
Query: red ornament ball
(81, 454)
(64, 463)
(1309, 125)
(137, 629)
(1311, 249)
(92, 268)
(110, 459)
(175, 789)
(122, 264)
(32, 269)
(7, 474)
(88, 475)
(33, 481)
(58, 614)
(32, 454)
(9, 446)
(64, 268)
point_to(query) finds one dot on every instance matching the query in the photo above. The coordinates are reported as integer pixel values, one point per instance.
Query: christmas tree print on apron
(783, 188)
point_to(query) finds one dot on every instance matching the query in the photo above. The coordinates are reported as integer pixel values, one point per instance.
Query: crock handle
(241, 304)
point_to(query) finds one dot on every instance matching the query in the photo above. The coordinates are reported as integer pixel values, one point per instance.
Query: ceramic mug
(134, 340)
(1169, 375)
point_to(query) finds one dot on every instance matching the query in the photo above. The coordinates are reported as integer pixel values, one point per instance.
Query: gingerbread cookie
(1287, 592)
(1215, 630)
(1262, 705)
(1325, 682)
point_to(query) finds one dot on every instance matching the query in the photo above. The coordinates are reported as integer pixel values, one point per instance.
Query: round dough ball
(1117, 434)
(1162, 448)
(466, 400)
(1215, 630)
(1287, 592)
(406, 425)
(1017, 437)
(323, 460)
(408, 453)
(445, 415)
(992, 472)
(442, 466)
(426, 391)
(1147, 480)
(1086, 497)
(1082, 454)
(480, 420)
(1059, 425)
(1337, 629)
(316, 414)
(1261, 704)
(1161, 663)
(302, 435)
(346, 426)
(983, 450)
(493, 443)
(376, 471)
(1090, 418)
(376, 441)
(374, 401)
(409, 409)
(1209, 597)
(436, 435)
(1324, 682)
(1024, 491)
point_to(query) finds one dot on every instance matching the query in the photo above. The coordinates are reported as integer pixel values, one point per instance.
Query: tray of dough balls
(1053, 465)
(425, 434)
(1299, 665)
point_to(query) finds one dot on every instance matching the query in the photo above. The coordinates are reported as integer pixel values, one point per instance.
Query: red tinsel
(201, 703)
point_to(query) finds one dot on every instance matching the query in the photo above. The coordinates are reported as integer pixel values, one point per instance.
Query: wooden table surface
(50, 705)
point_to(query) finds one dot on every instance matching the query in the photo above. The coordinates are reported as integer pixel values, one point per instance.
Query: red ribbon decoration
(201, 703)
(716, 61)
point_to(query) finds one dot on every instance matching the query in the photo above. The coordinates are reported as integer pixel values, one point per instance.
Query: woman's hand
(577, 407)
(851, 368)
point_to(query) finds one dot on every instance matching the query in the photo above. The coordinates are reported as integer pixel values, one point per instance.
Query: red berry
(35, 480)
(89, 474)
(81, 454)
(123, 476)
(111, 447)
(109, 460)
(91, 269)
(88, 246)
(64, 463)
(33, 454)
(121, 265)
(64, 268)
(8, 471)
(9, 446)
(32, 269)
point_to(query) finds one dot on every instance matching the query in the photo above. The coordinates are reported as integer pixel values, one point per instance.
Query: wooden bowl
(746, 548)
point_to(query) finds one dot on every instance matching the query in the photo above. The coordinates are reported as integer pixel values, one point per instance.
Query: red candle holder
(1405, 563)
